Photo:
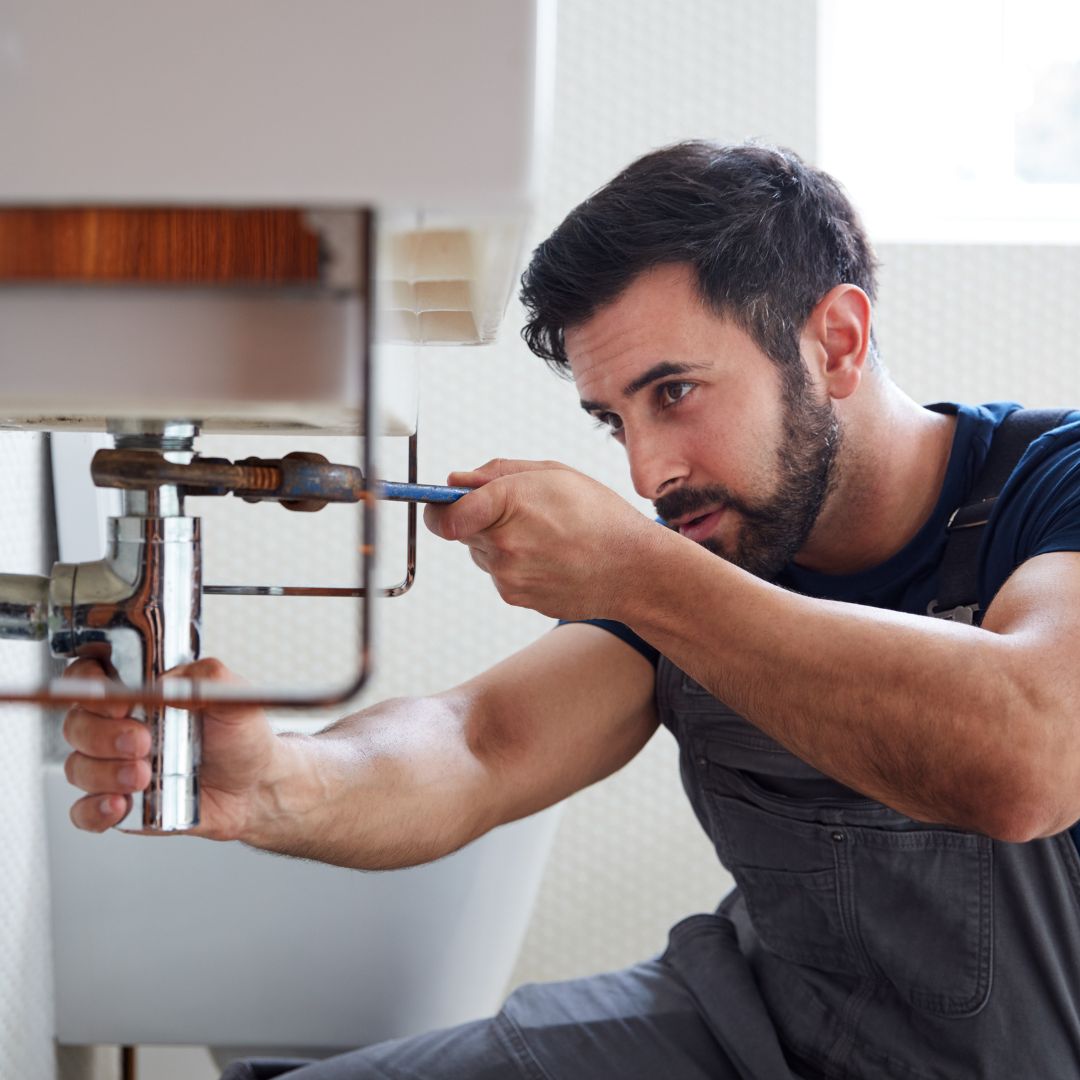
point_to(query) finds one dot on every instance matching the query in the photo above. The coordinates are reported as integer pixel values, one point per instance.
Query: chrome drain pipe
(137, 611)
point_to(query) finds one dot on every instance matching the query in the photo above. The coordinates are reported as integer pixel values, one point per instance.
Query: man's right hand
(240, 757)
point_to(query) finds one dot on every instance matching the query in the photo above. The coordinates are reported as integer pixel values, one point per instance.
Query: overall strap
(957, 584)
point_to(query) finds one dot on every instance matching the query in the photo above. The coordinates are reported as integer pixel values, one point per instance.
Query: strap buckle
(971, 516)
(962, 613)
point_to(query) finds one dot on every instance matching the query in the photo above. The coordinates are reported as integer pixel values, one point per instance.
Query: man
(891, 792)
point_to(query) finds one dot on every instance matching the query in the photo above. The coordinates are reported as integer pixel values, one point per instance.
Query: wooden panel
(157, 245)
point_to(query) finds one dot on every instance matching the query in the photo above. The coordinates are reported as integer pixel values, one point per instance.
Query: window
(954, 120)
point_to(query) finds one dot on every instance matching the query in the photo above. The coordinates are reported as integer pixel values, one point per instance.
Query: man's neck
(891, 469)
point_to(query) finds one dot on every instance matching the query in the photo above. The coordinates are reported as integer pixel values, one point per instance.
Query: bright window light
(954, 120)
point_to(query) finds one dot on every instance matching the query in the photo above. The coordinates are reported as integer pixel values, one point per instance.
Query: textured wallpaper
(988, 322)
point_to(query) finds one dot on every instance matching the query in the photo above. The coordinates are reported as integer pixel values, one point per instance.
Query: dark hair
(766, 234)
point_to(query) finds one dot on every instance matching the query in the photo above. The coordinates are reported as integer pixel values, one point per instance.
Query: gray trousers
(644, 1023)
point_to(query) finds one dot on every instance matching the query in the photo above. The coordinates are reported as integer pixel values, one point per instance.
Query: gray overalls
(881, 947)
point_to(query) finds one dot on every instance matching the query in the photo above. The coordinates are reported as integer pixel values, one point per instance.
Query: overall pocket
(787, 874)
(924, 905)
(907, 905)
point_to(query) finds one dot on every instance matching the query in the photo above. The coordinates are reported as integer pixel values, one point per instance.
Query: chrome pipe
(24, 607)
(139, 612)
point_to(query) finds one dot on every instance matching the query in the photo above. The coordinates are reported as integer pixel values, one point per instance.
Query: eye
(609, 421)
(673, 392)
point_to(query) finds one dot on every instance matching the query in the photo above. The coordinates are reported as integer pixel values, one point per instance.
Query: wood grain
(157, 246)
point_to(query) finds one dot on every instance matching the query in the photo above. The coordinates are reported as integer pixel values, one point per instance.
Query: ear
(836, 338)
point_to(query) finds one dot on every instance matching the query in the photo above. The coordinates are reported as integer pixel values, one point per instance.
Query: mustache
(686, 500)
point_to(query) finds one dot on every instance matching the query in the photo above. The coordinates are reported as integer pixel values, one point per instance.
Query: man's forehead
(660, 296)
(617, 351)
(604, 359)
(653, 316)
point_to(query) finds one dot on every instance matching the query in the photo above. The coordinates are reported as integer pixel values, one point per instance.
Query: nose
(656, 465)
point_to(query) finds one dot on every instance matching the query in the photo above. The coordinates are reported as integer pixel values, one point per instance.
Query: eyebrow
(658, 371)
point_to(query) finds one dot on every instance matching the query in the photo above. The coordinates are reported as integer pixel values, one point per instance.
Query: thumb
(213, 676)
(472, 513)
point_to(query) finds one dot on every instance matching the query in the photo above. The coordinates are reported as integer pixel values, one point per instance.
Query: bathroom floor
(175, 1063)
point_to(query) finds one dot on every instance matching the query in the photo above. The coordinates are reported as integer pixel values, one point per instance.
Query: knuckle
(215, 669)
(210, 668)
(83, 668)
(512, 596)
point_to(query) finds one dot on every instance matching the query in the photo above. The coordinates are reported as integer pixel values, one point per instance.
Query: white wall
(25, 962)
(985, 322)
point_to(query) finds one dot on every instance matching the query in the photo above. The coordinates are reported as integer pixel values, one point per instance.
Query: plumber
(857, 615)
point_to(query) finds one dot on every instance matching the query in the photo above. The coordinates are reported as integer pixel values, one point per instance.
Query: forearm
(394, 785)
(918, 713)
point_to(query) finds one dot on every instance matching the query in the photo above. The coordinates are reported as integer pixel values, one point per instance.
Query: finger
(96, 813)
(210, 670)
(471, 478)
(434, 520)
(101, 737)
(97, 777)
(91, 671)
(499, 467)
(84, 668)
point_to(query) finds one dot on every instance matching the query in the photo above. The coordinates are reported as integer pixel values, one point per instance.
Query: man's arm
(978, 728)
(408, 780)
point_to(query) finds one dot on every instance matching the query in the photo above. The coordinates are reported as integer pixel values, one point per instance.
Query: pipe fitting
(24, 607)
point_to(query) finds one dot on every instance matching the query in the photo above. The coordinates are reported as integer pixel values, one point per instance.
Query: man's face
(727, 455)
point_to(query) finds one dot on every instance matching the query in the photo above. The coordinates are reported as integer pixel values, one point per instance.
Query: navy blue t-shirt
(1038, 511)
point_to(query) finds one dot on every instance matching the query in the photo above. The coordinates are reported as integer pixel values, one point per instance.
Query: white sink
(178, 940)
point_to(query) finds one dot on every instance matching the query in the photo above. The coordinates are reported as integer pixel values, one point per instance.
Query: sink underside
(234, 360)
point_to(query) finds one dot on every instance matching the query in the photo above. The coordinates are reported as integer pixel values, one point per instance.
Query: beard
(773, 531)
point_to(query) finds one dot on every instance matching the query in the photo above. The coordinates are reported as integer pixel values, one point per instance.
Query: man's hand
(240, 757)
(403, 781)
(551, 538)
